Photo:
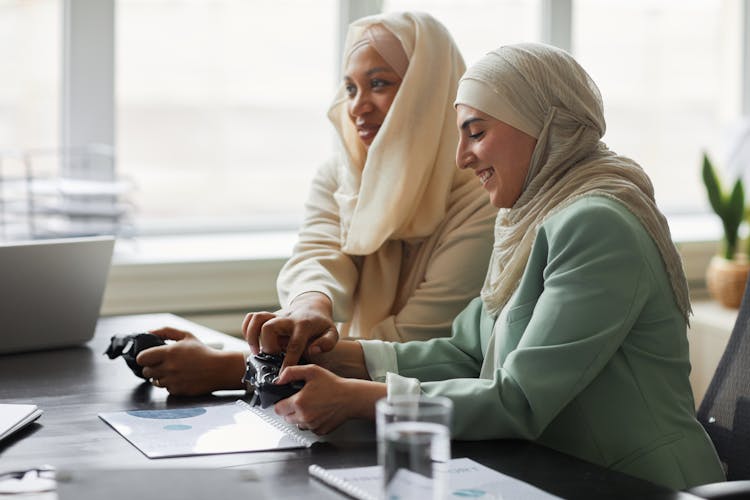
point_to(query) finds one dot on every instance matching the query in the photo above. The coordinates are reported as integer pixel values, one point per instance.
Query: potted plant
(727, 272)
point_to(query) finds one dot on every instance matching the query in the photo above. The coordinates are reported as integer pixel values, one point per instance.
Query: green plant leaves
(730, 207)
(713, 186)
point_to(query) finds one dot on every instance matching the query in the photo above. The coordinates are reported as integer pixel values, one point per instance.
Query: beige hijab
(399, 189)
(544, 92)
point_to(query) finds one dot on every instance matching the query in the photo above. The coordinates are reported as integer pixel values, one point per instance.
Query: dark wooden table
(73, 385)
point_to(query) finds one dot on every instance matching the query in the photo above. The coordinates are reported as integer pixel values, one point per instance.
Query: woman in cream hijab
(391, 226)
(578, 340)
(395, 240)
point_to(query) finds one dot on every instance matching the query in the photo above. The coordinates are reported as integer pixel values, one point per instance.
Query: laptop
(51, 291)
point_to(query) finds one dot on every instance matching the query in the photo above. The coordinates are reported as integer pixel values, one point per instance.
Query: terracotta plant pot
(726, 279)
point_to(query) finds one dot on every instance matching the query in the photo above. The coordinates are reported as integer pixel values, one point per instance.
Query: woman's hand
(326, 401)
(305, 326)
(190, 368)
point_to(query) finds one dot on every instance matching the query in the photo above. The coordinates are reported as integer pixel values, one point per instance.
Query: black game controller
(128, 346)
(262, 370)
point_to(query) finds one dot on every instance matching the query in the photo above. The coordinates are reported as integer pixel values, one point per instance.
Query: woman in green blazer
(579, 339)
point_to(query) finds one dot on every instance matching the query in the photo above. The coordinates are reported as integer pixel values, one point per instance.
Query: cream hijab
(399, 189)
(544, 92)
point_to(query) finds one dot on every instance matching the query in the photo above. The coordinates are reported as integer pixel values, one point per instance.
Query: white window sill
(697, 237)
(213, 279)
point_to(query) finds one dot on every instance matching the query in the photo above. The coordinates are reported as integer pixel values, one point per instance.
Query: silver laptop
(51, 292)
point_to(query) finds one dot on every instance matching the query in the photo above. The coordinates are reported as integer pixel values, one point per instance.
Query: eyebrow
(378, 69)
(370, 72)
(469, 121)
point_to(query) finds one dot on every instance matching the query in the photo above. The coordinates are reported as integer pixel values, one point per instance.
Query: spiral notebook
(230, 428)
(466, 479)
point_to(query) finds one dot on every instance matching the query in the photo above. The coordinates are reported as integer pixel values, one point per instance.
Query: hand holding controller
(262, 370)
(129, 346)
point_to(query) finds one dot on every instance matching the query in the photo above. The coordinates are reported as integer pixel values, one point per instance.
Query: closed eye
(477, 135)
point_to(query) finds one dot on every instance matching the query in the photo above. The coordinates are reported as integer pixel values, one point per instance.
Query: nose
(464, 157)
(360, 104)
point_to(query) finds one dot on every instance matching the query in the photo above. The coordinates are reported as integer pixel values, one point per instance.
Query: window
(221, 108)
(30, 69)
(669, 73)
(219, 105)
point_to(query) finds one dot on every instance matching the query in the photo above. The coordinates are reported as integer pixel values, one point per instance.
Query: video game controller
(128, 346)
(262, 371)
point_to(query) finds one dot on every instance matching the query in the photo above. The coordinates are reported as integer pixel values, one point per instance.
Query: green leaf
(736, 206)
(713, 186)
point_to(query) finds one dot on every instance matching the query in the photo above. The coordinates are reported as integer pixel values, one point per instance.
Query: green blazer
(589, 356)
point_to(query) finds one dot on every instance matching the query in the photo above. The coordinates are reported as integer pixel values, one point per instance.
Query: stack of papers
(16, 416)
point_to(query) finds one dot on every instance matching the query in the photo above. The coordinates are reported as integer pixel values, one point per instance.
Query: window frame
(88, 74)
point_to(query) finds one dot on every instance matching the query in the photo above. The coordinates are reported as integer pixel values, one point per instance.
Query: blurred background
(214, 110)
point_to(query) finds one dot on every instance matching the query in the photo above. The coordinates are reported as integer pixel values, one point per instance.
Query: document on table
(227, 428)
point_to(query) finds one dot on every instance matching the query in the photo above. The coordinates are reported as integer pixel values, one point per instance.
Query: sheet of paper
(229, 428)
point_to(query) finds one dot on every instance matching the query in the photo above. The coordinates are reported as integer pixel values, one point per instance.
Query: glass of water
(414, 445)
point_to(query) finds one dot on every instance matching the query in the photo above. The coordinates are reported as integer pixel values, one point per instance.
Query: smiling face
(498, 153)
(371, 85)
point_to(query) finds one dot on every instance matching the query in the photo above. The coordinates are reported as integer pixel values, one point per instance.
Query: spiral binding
(284, 427)
(339, 483)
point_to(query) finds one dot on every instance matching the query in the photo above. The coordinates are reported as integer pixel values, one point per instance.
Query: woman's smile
(485, 175)
(367, 131)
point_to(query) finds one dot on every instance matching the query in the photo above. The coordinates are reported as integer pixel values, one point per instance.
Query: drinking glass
(414, 445)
